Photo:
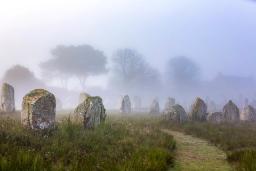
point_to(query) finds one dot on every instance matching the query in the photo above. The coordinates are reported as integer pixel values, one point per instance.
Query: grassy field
(238, 140)
(121, 143)
(126, 143)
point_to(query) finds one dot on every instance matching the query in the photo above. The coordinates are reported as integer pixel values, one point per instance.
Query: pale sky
(220, 35)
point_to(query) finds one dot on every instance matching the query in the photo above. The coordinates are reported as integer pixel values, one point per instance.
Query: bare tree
(132, 72)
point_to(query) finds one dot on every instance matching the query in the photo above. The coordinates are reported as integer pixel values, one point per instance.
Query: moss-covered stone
(231, 112)
(83, 96)
(176, 113)
(38, 109)
(199, 110)
(91, 111)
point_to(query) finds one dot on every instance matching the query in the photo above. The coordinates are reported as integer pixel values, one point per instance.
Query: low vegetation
(118, 144)
(238, 140)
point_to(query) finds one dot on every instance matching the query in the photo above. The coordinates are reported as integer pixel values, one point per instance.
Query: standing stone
(7, 98)
(92, 111)
(248, 114)
(169, 104)
(126, 105)
(83, 96)
(199, 110)
(176, 113)
(154, 108)
(215, 117)
(231, 112)
(38, 109)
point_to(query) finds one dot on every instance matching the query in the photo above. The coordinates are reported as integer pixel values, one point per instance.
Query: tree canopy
(79, 61)
(182, 70)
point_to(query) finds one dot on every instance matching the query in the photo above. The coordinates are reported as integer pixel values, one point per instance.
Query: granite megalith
(91, 111)
(154, 107)
(199, 110)
(176, 113)
(38, 109)
(83, 96)
(231, 112)
(126, 107)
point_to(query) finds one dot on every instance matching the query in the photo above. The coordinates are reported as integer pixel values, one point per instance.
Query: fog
(152, 49)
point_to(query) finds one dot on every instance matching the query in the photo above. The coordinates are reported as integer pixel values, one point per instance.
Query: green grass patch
(119, 144)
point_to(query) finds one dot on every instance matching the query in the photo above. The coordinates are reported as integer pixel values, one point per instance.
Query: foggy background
(146, 48)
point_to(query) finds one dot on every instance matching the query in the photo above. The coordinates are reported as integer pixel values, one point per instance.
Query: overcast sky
(220, 35)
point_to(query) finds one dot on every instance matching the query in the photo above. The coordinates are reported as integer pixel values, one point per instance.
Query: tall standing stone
(176, 113)
(126, 105)
(7, 98)
(155, 107)
(231, 112)
(38, 109)
(92, 111)
(83, 96)
(248, 113)
(199, 110)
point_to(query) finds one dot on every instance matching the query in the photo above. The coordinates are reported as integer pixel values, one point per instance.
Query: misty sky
(220, 35)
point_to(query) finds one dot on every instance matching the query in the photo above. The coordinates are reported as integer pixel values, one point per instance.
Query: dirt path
(194, 154)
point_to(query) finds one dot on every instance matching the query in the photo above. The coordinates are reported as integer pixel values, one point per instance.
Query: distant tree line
(128, 72)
